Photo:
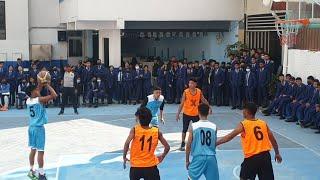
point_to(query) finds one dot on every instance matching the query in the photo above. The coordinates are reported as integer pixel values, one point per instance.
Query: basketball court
(91, 146)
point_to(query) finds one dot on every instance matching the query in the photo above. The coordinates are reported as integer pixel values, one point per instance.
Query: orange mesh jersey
(144, 144)
(191, 103)
(255, 137)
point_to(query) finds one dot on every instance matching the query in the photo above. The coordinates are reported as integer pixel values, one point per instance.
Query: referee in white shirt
(68, 91)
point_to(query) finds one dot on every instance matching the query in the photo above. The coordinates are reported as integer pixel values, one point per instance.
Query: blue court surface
(89, 146)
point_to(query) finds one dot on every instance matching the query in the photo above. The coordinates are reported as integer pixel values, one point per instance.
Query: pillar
(114, 36)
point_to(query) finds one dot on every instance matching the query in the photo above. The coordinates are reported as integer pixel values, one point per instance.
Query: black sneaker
(76, 112)
(182, 148)
(60, 113)
(42, 177)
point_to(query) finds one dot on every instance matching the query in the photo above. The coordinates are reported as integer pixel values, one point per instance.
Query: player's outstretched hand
(177, 117)
(187, 165)
(278, 158)
(125, 162)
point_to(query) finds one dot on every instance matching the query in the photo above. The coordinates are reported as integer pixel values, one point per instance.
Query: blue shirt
(204, 138)
(37, 112)
(154, 104)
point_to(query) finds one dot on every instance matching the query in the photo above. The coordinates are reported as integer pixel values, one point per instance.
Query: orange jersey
(144, 144)
(191, 103)
(255, 138)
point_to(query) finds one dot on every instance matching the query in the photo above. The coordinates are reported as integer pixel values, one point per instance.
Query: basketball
(43, 77)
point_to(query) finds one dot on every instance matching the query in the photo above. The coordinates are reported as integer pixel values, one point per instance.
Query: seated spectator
(316, 119)
(92, 92)
(101, 93)
(5, 95)
(22, 96)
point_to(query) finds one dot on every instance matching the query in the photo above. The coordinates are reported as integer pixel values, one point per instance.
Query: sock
(41, 171)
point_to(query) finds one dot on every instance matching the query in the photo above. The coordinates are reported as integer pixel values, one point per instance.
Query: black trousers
(217, 95)
(147, 173)
(68, 93)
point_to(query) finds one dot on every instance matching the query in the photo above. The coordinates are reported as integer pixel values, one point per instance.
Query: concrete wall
(44, 26)
(17, 36)
(114, 46)
(303, 63)
(152, 10)
(256, 7)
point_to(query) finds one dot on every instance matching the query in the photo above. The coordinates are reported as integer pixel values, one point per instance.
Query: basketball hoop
(288, 30)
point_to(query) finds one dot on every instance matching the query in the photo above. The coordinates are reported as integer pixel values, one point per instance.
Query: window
(75, 47)
(2, 21)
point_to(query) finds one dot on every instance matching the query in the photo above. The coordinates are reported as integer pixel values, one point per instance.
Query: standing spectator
(127, 84)
(147, 85)
(111, 88)
(181, 81)
(161, 81)
(55, 80)
(156, 66)
(198, 73)
(137, 87)
(68, 90)
(100, 71)
(236, 84)
(34, 71)
(218, 82)
(250, 85)
(78, 90)
(263, 82)
(119, 86)
(11, 79)
(86, 76)
(227, 98)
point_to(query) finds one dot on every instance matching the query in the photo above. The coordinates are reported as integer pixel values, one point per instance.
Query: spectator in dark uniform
(11, 79)
(137, 84)
(86, 76)
(2, 71)
(218, 82)
(22, 96)
(111, 88)
(147, 85)
(33, 72)
(263, 82)
(236, 84)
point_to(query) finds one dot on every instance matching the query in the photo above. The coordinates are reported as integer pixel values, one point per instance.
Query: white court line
(295, 141)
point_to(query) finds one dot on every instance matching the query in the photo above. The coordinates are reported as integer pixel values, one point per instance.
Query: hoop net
(288, 30)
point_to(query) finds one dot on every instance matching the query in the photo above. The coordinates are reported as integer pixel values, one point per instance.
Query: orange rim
(305, 22)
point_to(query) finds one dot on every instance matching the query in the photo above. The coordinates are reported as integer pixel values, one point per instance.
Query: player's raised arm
(166, 147)
(180, 106)
(188, 147)
(126, 147)
(50, 97)
(275, 146)
(230, 136)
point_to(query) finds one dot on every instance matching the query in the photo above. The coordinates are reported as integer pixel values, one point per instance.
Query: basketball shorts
(146, 173)
(260, 165)
(203, 165)
(186, 121)
(37, 137)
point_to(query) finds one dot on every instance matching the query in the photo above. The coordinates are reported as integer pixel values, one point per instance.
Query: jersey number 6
(257, 133)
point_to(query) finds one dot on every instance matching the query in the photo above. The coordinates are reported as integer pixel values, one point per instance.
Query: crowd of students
(245, 78)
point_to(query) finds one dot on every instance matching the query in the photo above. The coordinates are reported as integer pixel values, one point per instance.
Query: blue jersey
(204, 138)
(37, 112)
(154, 104)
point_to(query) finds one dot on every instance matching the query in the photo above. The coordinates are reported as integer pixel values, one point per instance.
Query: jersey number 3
(148, 141)
(205, 138)
(32, 113)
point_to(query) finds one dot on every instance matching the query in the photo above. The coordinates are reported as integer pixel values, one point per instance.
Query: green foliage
(235, 48)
